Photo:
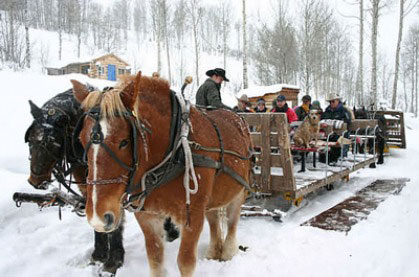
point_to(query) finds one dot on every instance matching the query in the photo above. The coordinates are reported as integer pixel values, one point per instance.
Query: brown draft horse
(148, 100)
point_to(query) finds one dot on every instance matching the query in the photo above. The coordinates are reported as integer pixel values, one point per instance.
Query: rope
(189, 166)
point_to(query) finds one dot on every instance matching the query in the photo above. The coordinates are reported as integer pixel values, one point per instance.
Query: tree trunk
(28, 43)
(374, 33)
(360, 81)
(166, 35)
(415, 70)
(396, 66)
(245, 78)
(60, 35)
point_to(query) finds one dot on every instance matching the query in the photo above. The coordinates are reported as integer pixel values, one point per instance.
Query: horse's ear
(80, 91)
(130, 92)
(35, 111)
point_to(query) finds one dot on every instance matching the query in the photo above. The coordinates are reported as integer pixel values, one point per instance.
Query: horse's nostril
(109, 220)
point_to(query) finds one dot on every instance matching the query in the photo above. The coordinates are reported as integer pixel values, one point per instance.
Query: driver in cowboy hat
(208, 95)
(336, 109)
(243, 105)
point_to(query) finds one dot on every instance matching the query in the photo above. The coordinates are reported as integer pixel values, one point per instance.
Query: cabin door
(111, 72)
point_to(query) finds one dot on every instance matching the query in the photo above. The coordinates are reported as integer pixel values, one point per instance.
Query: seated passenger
(243, 105)
(303, 110)
(316, 106)
(335, 111)
(282, 107)
(261, 107)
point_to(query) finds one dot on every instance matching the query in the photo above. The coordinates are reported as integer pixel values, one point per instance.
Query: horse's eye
(123, 143)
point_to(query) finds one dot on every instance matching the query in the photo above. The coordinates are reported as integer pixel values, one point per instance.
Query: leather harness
(172, 165)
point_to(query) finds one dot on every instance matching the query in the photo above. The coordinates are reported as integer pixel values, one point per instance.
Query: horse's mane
(110, 102)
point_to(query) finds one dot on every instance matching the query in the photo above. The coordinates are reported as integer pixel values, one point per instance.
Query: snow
(37, 243)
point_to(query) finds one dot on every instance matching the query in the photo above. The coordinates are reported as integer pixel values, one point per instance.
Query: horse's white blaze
(95, 221)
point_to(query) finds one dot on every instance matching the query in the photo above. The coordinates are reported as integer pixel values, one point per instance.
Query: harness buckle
(96, 137)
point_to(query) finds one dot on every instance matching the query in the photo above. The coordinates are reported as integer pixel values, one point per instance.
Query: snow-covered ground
(36, 243)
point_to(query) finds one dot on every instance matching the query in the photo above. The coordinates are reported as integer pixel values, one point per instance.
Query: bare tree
(194, 11)
(376, 9)
(245, 77)
(156, 16)
(360, 74)
(402, 15)
(28, 43)
(180, 25)
(165, 18)
(60, 27)
(225, 11)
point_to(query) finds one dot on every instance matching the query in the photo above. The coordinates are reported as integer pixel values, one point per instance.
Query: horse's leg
(230, 247)
(116, 251)
(152, 226)
(188, 253)
(216, 241)
(100, 253)
(381, 145)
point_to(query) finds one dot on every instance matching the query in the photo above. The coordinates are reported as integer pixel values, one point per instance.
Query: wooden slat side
(253, 119)
(266, 152)
(285, 150)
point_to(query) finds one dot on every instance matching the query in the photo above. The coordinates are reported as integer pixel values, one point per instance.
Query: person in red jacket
(282, 107)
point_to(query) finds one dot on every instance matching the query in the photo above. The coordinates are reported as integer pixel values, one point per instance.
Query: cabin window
(100, 70)
(121, 71)
(85, 69)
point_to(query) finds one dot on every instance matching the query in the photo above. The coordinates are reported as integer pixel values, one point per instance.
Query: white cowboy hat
(333, 96)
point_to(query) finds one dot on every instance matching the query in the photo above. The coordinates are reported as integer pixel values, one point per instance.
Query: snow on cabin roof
(84, 59)
(257, 91)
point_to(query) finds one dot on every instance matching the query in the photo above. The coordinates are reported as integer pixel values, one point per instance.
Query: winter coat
(291, 116)
(340, 113)
(301, 113)
(209, 95)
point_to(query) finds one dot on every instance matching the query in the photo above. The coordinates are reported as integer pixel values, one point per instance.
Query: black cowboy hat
(219, 72)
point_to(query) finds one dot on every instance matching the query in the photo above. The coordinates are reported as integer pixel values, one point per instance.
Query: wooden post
(402, 134)
(266, 153)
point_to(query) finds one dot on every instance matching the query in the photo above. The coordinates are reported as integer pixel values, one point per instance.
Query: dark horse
(50, 146)
(381, 133)
(126, 135)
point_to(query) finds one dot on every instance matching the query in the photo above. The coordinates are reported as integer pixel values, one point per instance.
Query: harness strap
(198, 146)
(220, 139)
(199, 161)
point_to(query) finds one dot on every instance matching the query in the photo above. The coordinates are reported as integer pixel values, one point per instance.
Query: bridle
(60, 168)
(96, 138)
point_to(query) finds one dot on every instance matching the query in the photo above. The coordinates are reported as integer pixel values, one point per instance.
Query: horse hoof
(115, 261)
(380, 162)
(373, 165)
(110, 267)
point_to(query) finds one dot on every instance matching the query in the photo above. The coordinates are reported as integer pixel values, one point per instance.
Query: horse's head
(361, 113)
(108, 136)
(46, 139)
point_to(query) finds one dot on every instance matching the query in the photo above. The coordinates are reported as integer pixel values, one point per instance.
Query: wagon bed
(275, 173)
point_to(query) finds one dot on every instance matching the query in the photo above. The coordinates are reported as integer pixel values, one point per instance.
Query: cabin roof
(258, 91)
(84, 60)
